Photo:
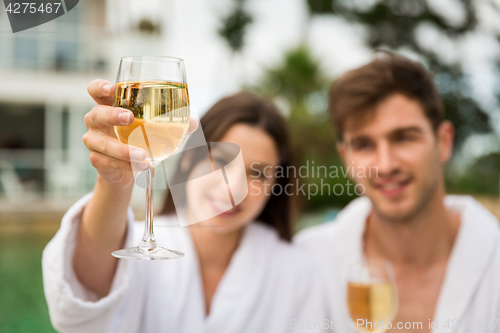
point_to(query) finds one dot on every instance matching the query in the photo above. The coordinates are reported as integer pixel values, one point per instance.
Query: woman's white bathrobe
(267, 286)
(470, 294)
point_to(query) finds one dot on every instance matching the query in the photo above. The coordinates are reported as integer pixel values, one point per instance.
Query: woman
(239, 273)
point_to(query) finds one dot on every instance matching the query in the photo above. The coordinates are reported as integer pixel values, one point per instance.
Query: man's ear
(445, 136)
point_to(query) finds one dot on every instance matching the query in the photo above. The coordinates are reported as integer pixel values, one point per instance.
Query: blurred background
(289, 50)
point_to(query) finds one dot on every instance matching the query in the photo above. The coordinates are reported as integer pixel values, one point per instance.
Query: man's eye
(404, 138)
(363, 145)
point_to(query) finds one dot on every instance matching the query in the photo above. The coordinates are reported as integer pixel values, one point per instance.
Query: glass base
(156, 253)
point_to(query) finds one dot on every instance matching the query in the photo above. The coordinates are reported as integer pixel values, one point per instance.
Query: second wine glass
(372, 296)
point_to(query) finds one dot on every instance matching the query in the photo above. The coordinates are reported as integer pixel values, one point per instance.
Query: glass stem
(148, 240)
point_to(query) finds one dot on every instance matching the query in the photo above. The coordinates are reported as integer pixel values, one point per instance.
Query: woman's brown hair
(247, 108)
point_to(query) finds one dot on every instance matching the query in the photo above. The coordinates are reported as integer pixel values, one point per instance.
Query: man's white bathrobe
(267, 285)
(471, 288)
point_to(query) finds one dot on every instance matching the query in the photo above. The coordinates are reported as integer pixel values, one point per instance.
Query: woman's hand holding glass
(111, 158)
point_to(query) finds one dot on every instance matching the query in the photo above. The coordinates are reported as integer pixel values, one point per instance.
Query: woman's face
(213, 197)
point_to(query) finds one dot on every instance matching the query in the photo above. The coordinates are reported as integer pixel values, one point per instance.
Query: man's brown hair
(355, 95)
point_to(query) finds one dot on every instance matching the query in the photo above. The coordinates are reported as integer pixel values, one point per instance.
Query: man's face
(401, 156)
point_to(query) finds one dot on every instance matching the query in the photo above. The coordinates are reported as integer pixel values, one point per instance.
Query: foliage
(148, 27)
(234, 26)
(483, 177)
(298, 76)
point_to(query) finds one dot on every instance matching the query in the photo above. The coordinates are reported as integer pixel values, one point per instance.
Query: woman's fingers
(102, 115)
(105, 163)
(104, 144)
(193, 125)
(101, 91)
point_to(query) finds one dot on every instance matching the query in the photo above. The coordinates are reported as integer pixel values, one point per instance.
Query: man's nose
(385, 160)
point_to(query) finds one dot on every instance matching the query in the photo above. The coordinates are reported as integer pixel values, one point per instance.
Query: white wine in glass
(155, 90)
(371, 296)
(161, 116)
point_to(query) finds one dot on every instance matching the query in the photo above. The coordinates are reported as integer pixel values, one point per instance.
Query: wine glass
(372, 296)
(155, 90)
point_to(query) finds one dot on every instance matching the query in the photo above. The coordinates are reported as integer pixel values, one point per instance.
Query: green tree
(234, 25)
(295, 79)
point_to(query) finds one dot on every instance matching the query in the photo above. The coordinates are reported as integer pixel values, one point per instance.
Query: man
(445, 250)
